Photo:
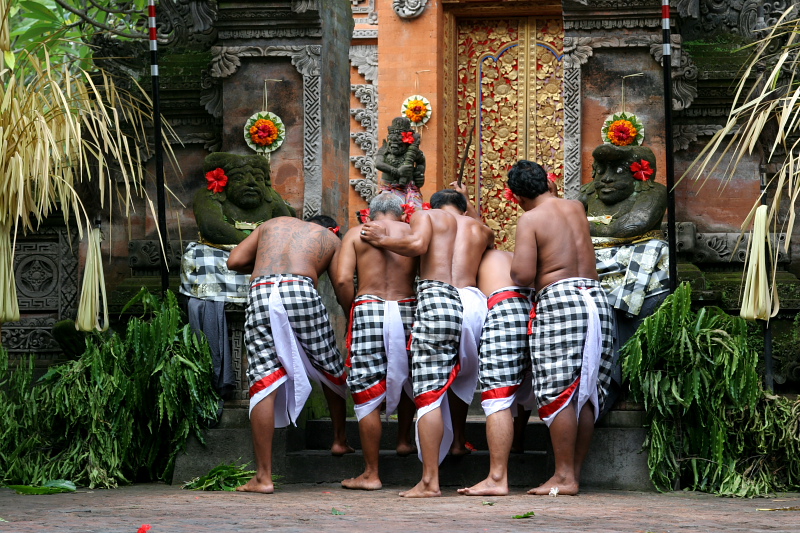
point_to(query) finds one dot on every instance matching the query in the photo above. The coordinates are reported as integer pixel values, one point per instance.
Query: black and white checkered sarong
(559, 323)
(505, 351)
(367, 351)
(309, 320)
(435, 339)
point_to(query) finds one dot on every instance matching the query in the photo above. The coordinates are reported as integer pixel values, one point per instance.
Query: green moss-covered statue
(239, 196)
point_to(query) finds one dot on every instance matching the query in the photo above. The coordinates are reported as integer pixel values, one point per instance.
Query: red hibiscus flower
(363, 215)
(408, 209)
(552, 177)
(426, 206)
(510, 196)
(641, 170)
(408, 137)
(217, 180)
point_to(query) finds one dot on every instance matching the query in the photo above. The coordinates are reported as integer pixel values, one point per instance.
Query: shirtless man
(450, 247)
(571, 321)
(505, 374)
(288, 254)
(381, 314)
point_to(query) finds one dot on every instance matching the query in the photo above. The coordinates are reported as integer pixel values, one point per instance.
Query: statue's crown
(399, 125)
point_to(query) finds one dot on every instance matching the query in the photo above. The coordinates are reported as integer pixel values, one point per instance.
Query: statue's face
(247, 186)
(397, 148)
(613, 181)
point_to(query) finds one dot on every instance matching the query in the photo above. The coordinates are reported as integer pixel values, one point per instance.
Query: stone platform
(301, 454)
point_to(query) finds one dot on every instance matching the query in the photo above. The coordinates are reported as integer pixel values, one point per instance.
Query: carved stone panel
(46, 272)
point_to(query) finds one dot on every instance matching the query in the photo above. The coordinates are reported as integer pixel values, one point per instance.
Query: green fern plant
(120, 412)
(710, 424)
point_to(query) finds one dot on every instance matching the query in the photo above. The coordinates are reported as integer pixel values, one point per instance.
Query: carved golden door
(509, 98)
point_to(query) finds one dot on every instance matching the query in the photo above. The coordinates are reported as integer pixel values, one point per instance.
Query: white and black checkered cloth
(505, 350)
(632, 272)
(205, 275)
(435, 339)
(308, 318)
(367, 351)
(559, 335)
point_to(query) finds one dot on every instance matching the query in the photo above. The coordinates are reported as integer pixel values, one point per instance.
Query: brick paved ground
(309, 508)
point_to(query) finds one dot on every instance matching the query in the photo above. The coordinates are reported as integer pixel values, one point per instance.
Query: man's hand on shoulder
(372, 232)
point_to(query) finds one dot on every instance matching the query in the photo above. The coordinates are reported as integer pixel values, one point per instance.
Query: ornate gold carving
(508, 87)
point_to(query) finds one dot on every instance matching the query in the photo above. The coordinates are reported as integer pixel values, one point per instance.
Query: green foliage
(120, 412)
(54, 486)
(710, 424)
(222, 477)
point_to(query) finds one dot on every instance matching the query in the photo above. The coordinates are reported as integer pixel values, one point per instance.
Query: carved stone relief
(365, 60)
(226, 60)
(364, 7)
(409, 9)
(46, 272)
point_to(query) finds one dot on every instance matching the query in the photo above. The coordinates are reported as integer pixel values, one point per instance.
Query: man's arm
(343, 269)
(243, 256)
(471, 211)
(523, 267)
(413, 244)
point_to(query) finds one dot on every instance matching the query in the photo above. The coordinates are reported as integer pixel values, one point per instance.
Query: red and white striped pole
(668, 145)
(157, 139)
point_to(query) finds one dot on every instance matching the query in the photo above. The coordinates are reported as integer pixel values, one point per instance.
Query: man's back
(561, 233)
(456, 246)
(380, 272)
(285, 245)
(494, 272)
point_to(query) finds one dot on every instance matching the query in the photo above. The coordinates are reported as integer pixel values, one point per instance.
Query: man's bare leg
(405, 421)
(431, 432)
(499, 433)
(458, 415)
(585, 432)
(370, 429)
(520, 423)
(262, 423)
(338, 409)
(563, 435)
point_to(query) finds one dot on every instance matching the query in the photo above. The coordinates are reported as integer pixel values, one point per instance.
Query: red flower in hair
(363, 215)
(552, 177)
(408, 137)
(426, 206)
(335, 230)
(217, 180)
(510, 196)
(409, 209)
(641, 170)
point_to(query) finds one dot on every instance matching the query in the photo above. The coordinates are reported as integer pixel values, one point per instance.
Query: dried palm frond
(61, 125)
(766, 104)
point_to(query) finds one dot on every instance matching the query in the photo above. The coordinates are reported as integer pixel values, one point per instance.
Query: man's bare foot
(363, 482)
(487, 487)
(558, 484)
(457, 450)
(405, 449)
(422, 490)
(255, 485)
(341, 449)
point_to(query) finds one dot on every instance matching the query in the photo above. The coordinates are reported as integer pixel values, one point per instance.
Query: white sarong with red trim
(289, 339)
(571, 346)
(444, 346)
(379, 359)
(505, 352)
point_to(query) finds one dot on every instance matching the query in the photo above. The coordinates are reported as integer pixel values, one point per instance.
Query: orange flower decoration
(217, 180)
(264, 132)
(416, 111)
(622, 132)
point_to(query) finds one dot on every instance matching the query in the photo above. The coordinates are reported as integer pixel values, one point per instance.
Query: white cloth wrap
(474, 305)
(289, 400)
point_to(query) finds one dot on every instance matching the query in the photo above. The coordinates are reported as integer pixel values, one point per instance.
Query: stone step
(319, 434)
(318, 466)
